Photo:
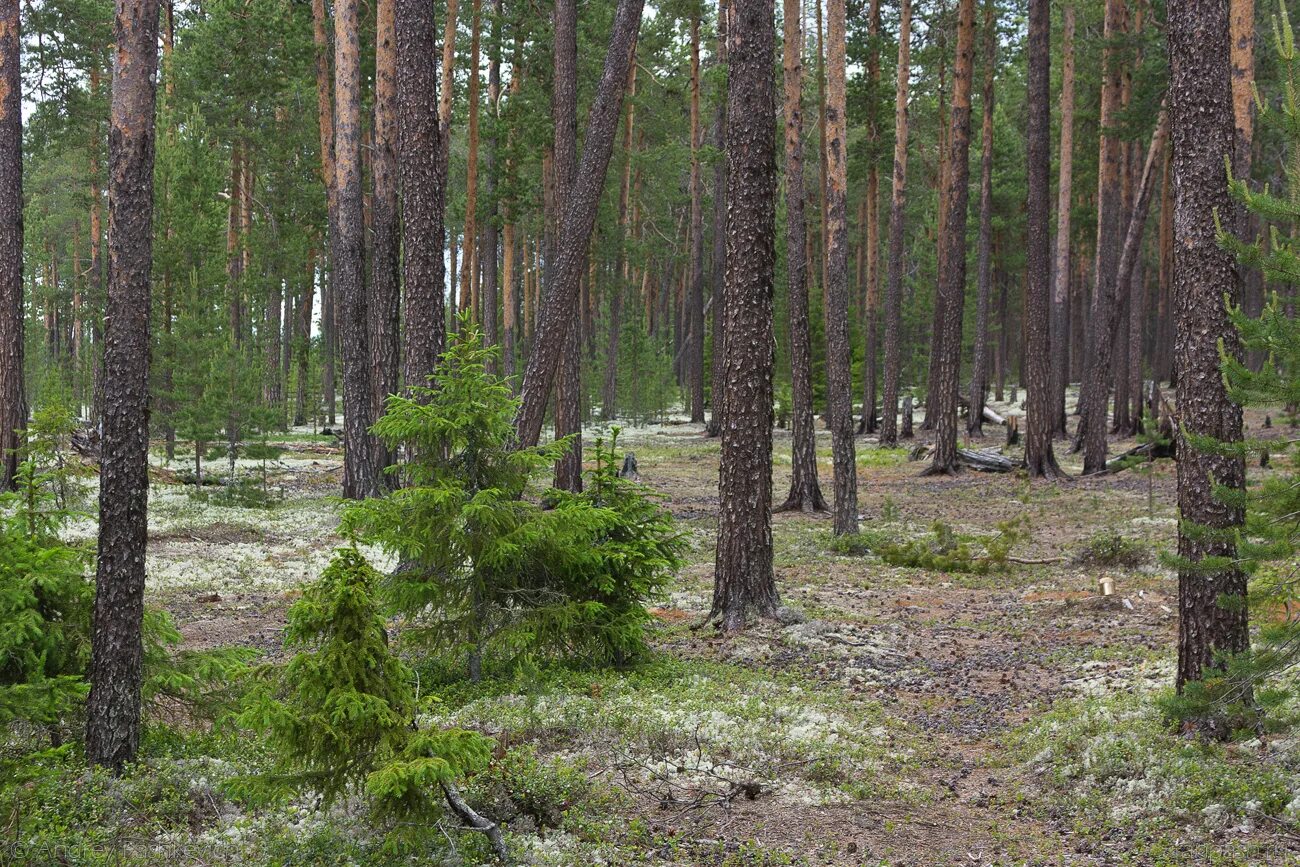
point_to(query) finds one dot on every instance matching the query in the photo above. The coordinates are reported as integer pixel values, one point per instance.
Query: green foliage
(341, 715)
(942, 549)
(487, 570)
(1108, 549)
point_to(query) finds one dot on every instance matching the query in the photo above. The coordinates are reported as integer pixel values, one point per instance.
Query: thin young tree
(743, 581)
(695, 301)
(1211, 587)
(560, 304)
(839, 380)
(113, 712)
(360, 474)
(869, 253)
(979, 355)
(1039, 457)
(1060, 337)
(952, 277)
(805, 492)
(13, 399)
(719, 263)
(897, 212)
(419, 143)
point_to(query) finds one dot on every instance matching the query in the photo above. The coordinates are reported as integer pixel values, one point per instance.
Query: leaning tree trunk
(979, 359)
(423, 210)
(360, 476)
(942, 403)
(1060, 338)
(897, 208)
(1106, 319)
(113, 715)
(13, 400)
(805, 492)
(1091, 436)
(839, 378)
(1212, 590)
(1039, 457)
(579, 219)
(743, 580)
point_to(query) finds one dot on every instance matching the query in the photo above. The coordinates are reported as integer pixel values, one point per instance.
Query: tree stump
(906, 431)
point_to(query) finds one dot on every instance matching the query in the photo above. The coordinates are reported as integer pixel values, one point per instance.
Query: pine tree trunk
(979, 359)
(744, 584)
(302, 340)
(385, 292)
(564, 108)
(96, 260)
(325, 117)
(423, 186)
(942, 402)
(113, 714)
(695, 302)
(491, 236)
(469, 253)
(1091, 435)
(360, 476)
(560, 304)
(614, 325)
(1039, 458)
(1108, 313)
(871, 221)
(805, 492)
(897, 209)
(1162, 366)
(719, 262)
(839, 378)
(13, 398)
(1212, 606)
(1060, 335)
(1121, 422)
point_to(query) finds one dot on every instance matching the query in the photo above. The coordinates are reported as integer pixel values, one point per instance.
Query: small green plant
(942, 549)
(341, 716)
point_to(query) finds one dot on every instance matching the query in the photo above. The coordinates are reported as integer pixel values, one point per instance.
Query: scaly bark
(385, 289)
(805, 492)
(1060, 337)
(979, 360)
(13, 399)
(1211, 589)
(871, 222)
(839, 379)
(743, 581)
(719, 263)
(113, 713)
(423, 185)
(897, 212)
(942, 402)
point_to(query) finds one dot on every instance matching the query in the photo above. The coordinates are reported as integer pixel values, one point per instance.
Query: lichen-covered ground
(899, 716)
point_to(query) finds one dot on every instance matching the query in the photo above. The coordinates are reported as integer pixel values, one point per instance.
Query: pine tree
(13, 397)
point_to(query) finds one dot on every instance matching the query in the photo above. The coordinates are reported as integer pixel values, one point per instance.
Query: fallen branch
(467, 815)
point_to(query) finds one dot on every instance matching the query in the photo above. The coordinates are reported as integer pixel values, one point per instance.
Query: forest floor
(901, 716)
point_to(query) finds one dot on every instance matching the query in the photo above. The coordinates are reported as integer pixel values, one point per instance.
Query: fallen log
(988, 461)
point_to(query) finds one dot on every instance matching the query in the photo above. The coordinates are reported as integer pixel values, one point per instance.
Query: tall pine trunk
(1091, 436)
(839, 379)
(385, 289)
(1211, 589)
(743, 580)
(979, 360)
(113, 713)
(805, 492)
(695, 302)
(897, 211)
(1039, 458)
(13, 399)
(719, 262)
(952, 279)
(360, 475)
(1060, 335)
(491, 235)
(325, 119)
(423, 186)
(871, 230)
(614, 325)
